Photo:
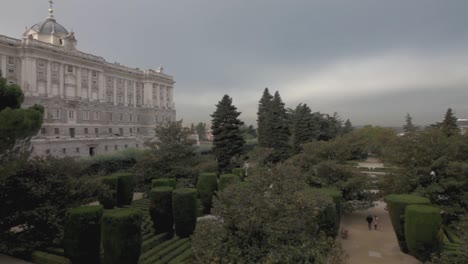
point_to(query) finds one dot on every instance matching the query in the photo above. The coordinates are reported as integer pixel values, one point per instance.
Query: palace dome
(49, 26)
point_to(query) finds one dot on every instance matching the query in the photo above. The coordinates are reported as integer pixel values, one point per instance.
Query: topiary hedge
(124, 188)
(161, 209)
(422, 226)
(227, 179)
(121, 236)
(207, 184)
(170, 182)
(82, 234)
(109, 199)
(184, 208)
(396, 204)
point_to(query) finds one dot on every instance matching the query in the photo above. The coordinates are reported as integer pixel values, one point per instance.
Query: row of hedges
(207, 185)
(417, 225)
(121, 186)
(118, 231)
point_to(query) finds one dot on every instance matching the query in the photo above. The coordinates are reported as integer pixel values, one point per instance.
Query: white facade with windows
(91, 106)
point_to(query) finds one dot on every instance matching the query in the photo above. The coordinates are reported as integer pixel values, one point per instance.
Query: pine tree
(449, 125)
(348, 127)
(304, 128)
(227, 136)
(264, 122)
(279, 130)
(409, 127)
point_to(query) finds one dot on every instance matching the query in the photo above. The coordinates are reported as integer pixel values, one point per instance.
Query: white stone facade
(91, 106)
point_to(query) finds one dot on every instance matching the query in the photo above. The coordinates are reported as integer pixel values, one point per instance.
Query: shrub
(227, 179)
(121, 237)
(111, 163)
(239, 172)
(125, 188)
(422, 225)
(396, 204)
(82, 234)
(108, 199)
(170, 182)
(161, 209)
(207, 184)
(184, 207)
(330, 217)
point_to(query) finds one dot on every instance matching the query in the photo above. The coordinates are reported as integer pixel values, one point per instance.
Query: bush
(40, 257)
(184, 207)
(422, 225)
(121, 236)
(125, 188)
(161, 209)
(108, 198)
(330, 217)
(239, 172)
(169, 182)
(111, 163)
(396, 204)
(82, 234)
(227, 179)
(207, 184)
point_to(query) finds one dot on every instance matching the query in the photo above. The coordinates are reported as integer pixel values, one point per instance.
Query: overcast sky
(371, 61)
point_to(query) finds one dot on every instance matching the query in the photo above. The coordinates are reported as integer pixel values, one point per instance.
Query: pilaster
(49, 79)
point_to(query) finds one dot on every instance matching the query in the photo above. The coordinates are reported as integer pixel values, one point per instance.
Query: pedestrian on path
(376, 222)
(369, 220)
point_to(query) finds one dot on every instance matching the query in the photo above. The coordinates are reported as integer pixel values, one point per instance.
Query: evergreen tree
(348, 127)
(409, 127)
(200, 129)
(264, 120)
(304, 128)
(227, 136)
(279, 130)
(449, 125)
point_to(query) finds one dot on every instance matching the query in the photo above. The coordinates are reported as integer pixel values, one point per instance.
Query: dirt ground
(372, 247)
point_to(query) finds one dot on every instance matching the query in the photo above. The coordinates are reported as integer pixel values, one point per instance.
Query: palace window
(121, 131)
(110, 116)
(85, 115)
(116, 147)
(56, 131)
(77, 150)
(86, 130)
(110, 130)
(11, 60)
(96, 131)
(105, 147)
(43, 130)
(121, 117)
(94, 73)
(96, 115)
(57, 114)
(69, 68)
(41, 64)
(71, 114)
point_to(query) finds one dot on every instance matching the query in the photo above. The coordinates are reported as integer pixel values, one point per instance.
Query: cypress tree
(449, 125)
(264, 122)
(227, 136)
(279, 129)
(409, 127)
(304, 128)
(348, 127)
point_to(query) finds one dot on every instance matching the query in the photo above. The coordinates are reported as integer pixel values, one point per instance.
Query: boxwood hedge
(121, 236)
(422, 226)
(82, 234)
(396, 204)
(184, 207)
(207, 184)
(161, 209)
(124, 188)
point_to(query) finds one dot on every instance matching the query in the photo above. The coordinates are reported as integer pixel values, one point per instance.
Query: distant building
(91, 106)
(463, 125)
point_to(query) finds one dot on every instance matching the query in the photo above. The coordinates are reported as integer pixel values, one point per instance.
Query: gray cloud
(354, 57)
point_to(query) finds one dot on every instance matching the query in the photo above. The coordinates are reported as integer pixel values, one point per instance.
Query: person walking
(376, 222)
(369, 220)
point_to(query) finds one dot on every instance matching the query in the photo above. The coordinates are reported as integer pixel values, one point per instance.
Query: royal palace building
(91, 106)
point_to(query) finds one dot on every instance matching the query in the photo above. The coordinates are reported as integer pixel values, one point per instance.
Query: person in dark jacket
(369, 220)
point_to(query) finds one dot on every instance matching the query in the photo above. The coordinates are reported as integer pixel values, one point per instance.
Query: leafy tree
(200, 129)
(227, 137)
(171, 155)
(35, 199)
(17, 125)
(409, 127)
(348, 127)
(264, 120)
(260, 222)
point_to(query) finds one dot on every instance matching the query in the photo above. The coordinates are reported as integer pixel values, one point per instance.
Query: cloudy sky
(369, 60)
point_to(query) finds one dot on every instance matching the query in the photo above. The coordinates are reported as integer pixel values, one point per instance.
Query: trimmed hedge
(227, 179)
(161, 209)
(207, 184)
(82, 234)
(124, 188)
(108, 202)
(121, 236)
(39, 257)
(184, 207)
(169, 182)
(422, 225)
(396, 204)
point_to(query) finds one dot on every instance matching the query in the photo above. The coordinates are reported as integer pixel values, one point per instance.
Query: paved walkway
(9, 260)
(372, 247)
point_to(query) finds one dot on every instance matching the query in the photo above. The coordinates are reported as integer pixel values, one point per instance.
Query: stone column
(78, 92)
(171, 96)
(61, 81)
(148, 94)
(115, 90)
(135, 94)
(125, 92)
(163, 97)
(102, 87)
(90, 85)
(49, 79)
